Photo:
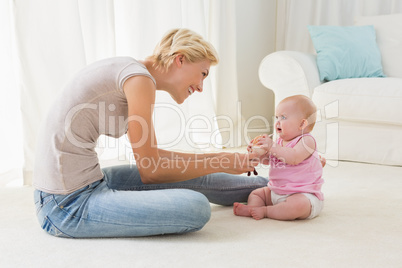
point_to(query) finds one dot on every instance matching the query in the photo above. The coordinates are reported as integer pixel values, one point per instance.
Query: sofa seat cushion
(374, 100)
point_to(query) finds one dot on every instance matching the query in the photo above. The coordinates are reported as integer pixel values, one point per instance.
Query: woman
(165, 192)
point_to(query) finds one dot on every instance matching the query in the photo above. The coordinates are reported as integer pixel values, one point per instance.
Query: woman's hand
(235, 163)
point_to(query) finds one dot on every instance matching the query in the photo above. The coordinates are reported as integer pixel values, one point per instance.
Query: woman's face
(188, 78)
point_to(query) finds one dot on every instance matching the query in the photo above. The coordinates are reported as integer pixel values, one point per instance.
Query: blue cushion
(346, 52)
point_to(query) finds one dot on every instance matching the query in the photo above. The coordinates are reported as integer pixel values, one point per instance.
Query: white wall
(255, 39)
(264, 26)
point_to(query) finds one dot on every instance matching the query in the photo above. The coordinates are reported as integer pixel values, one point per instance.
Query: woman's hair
(185, 42)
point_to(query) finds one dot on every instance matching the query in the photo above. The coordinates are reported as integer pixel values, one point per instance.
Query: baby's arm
(293, 156)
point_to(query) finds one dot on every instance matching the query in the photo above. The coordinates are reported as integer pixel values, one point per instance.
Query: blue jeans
(120, 205)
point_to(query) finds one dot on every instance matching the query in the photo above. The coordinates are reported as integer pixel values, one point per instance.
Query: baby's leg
(257, 198)
(296, 206)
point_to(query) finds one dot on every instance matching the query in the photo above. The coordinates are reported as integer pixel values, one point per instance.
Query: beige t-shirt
(92, 104)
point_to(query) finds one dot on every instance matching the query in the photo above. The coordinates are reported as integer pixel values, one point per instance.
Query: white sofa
(361, 118)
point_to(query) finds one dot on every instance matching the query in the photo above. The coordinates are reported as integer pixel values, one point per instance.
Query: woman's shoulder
(115, 61)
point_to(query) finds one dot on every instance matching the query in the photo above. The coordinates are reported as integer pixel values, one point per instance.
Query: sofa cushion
(346, 52)
(376, 100)
(389, 39)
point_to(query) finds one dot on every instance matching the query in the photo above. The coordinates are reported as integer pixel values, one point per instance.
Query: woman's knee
(198, 208)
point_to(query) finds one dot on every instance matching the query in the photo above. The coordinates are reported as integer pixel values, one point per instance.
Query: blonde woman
(165, 192)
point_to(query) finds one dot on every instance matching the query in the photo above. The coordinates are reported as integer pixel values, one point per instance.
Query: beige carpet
(360, 226)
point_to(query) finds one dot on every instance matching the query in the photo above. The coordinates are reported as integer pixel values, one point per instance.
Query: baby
(295, 174)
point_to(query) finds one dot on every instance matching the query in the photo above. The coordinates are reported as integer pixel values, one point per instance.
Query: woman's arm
(158, 166)
(174, 154)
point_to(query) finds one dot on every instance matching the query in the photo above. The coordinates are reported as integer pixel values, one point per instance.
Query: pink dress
(305, 177)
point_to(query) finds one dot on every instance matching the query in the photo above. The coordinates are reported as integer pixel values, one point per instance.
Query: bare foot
(258, 213)
(241, 210)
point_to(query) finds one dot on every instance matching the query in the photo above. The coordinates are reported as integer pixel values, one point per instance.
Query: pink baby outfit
(305, 177)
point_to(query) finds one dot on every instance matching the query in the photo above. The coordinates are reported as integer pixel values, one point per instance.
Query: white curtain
(293, 16)
(223, 35)
(54, 39)
(44, 42)
(10, 113)
(50, 48)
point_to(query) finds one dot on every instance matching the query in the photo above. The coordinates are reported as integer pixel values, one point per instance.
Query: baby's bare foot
(241, 210)
(258, 213)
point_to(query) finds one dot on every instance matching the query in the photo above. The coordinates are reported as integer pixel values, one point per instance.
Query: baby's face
(288, 121)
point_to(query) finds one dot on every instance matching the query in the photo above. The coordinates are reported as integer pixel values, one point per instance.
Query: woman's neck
(160, 76)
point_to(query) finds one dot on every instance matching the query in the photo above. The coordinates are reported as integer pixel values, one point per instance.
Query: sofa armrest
(289, 73)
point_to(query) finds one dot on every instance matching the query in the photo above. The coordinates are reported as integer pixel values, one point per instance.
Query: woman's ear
(179, 60)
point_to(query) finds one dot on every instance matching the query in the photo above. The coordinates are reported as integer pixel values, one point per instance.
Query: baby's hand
(260, 145)
(265, 142)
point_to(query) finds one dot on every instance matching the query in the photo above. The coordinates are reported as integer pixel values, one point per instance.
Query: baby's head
(295, 115)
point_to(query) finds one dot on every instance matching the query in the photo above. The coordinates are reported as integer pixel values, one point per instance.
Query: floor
(360, 226)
